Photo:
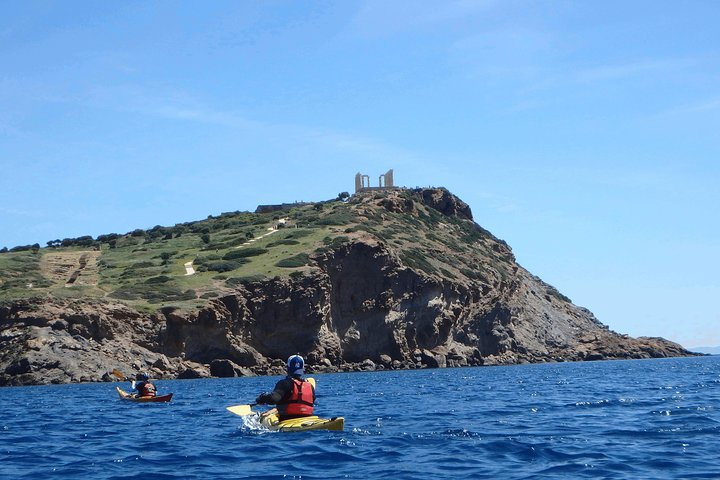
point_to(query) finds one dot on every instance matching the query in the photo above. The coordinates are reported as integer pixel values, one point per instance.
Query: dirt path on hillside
(271, 230)
(71, 268)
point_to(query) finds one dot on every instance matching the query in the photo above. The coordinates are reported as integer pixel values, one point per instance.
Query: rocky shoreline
(252, 331)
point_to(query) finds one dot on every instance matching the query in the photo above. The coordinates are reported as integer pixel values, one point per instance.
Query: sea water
(648, 419)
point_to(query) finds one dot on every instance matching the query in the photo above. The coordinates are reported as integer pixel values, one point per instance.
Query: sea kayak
(271, 422)
(129, 396)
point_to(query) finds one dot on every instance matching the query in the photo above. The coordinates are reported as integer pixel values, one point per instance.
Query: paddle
(243, 410)
(122, 377)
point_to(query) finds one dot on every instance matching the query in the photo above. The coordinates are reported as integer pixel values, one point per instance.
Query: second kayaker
(293, 395)
(144, 387)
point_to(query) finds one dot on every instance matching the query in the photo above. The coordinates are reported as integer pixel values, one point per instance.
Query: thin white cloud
(171, 104)
(524, 58)
(707, 105)
(538, 56)
(378, 18)
(356, 144)
(7, 129)
(177, 105)
(180, 106)
(17, 212)
(639, 68)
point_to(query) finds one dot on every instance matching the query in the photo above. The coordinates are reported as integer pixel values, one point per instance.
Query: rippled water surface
(619, 419)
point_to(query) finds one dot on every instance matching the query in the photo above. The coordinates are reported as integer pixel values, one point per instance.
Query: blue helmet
(296, 365)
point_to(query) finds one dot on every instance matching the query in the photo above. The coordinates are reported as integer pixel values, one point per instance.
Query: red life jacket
(301, 399)
(147, 389)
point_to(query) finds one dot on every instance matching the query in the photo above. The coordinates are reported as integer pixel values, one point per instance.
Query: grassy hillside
(146, 268)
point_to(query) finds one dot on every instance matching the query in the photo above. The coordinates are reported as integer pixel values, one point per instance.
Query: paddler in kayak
(293, 395)
(144, 387)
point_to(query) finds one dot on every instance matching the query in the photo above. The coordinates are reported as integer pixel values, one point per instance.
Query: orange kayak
(129, 396)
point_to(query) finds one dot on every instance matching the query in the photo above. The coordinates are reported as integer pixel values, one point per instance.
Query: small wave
(461, 433)
(252, 422)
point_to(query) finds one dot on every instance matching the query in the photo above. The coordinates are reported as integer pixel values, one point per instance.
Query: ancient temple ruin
(362, 182)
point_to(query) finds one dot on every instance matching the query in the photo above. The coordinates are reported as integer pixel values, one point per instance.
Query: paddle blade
(118, 374)
(312, 381)
(241, 410)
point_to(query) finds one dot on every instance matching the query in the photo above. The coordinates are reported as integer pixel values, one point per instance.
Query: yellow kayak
(271, 422)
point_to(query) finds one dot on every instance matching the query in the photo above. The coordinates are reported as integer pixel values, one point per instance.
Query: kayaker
(293, 395)
(144, 386)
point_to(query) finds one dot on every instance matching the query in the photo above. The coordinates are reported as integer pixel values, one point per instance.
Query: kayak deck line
(271, 422)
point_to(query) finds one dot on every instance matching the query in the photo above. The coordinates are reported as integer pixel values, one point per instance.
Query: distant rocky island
(387, 278)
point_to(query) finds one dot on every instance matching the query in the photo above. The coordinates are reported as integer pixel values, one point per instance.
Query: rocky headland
(400, 279)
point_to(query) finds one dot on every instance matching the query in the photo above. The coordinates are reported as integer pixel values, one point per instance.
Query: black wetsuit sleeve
(282, 390)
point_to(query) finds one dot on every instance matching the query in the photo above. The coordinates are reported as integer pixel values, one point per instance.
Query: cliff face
(402, 298)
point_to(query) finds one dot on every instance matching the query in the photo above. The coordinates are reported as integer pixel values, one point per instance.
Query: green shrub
(555, 293)
(472, 274)
(339, 218)
(285, 241)
(244, 253)
(414, 258)
(298, 233)
(155, 294)
(226, 244)
(206, 259)
(165, 256)
(299, 260)
(23, 248)
(225, 266)
(126, 293)
(174, 295)
(235, 281)
(139, 265)
(159, 279)
(336, 241)
(447, 273)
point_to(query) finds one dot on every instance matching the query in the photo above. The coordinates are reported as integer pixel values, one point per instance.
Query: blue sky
(585, 134)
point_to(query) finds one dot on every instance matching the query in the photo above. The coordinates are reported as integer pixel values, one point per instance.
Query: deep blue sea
(648, 419)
